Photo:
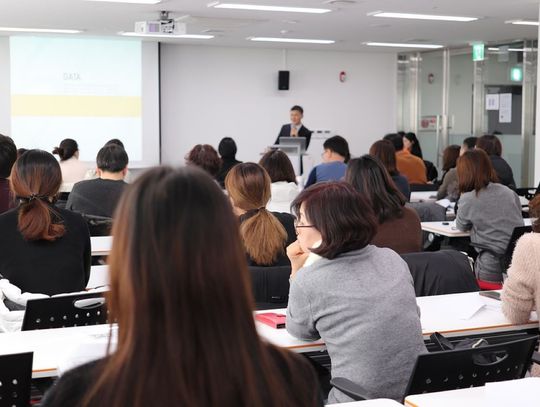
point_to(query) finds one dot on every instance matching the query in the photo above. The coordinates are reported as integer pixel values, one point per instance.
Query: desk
(51, 346)
(423, 196)
(449, 229)
(439, 313)
(101, 245)
(369, 403)
(99, 276)
(522, 393)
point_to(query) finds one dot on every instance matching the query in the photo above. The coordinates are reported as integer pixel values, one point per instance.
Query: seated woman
(357, 297)
(335, 158)
(44, 249)
(399, 227)
(205, 157)
(181, 295)
(521, 291)
(284, 187)
(227, 150)
(73, 170)
(412, 144)
(265, 234)
(449, 182)
(384, 150)
(493, 147)
(489, 210)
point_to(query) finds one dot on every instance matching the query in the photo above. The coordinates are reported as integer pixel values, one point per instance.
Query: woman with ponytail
(43, 249)
(73, 170)
(265, 234)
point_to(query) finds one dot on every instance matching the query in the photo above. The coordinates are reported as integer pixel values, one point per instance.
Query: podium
(294, 153)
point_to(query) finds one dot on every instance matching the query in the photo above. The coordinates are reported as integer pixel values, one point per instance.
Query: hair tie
(253, 212)
(32, 197)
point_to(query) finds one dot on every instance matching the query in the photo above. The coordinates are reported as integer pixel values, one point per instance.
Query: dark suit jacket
(286, 132)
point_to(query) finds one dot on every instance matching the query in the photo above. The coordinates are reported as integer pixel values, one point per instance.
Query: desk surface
(452, 315)
(369, 403)
(423, 196)
(522, 393)
(101, 245)
(449, 228)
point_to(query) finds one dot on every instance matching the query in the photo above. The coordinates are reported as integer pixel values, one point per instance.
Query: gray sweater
(491, 216)
(363, 305)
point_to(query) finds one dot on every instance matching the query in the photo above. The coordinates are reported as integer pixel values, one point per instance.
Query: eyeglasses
(297, 225)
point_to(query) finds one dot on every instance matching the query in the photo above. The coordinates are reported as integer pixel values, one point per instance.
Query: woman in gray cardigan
(357, 297)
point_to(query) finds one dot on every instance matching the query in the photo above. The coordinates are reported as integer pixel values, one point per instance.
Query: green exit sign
(516, 74)
(478, 52)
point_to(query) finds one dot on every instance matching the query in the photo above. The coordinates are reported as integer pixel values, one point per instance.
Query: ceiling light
(508, 49)
(130, 1)
(522, 22)
(182, 36)
(401, 45)
(291, 40)
(258, 7)
(412, 16)
(40, 30)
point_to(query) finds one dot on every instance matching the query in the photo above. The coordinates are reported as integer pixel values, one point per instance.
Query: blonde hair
(263, 234)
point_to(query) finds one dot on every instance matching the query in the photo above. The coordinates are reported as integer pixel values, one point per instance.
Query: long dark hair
(35, 180)
(369, 177)
(264, 237)
(67, 149)
(415, 148)
(385, 151)
(181, 294)
(450, 156)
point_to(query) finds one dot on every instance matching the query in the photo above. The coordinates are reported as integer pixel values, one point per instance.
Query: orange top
(411, 166)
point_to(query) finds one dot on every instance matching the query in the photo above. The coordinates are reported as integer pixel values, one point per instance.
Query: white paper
(492, 102)
(445, 203)
(467, 309)
(505, 108)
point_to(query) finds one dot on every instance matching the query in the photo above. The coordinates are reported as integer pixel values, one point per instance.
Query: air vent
(341, 2)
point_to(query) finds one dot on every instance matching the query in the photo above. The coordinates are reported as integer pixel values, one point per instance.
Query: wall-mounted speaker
(283, 80)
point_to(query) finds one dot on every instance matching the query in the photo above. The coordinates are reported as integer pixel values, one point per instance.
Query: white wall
(208, 93)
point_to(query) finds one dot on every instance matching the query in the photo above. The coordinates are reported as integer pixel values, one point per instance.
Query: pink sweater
(521, 292)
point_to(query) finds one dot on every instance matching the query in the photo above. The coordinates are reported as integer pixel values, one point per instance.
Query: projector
(160, 27)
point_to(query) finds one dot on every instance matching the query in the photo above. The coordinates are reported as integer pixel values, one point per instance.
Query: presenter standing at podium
(295, 128)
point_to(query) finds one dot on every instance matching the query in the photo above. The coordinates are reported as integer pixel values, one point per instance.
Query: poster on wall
(492, 102)
(505, 108)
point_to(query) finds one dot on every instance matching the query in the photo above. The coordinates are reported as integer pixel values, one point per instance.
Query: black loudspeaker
(283, 80)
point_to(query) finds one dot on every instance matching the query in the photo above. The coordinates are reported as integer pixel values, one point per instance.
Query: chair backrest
(516, 234)
(442, 272)
(270, 286)
(15, 379)
(458, 369)
(528, 193)
(423, 187)
(98, 225)
(65, 311)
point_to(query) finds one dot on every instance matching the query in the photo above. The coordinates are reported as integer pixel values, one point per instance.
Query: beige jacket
(521, 292)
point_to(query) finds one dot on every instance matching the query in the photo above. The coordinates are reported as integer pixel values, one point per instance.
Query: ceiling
(348, 24)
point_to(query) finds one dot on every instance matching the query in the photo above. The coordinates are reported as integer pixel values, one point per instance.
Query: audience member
(335, 158)
(493, 147)
(181, 295)
(353, 295)
(449, 182)
(92, 173)
(386, 153)
(489, 210)
(205, 157)
(521, 292)
(8, 156)
(99, 197)
(407, 164)
(227, 150)
(468, 144)
(73, 170)
(44, 249)
(284, 187)
(21, 151)
(399, 227)
(411, 143)
(265, 234)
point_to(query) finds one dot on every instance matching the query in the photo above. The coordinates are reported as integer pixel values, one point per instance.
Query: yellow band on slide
(76, 106)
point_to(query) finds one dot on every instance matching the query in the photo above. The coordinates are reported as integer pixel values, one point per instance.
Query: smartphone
(491, 294)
